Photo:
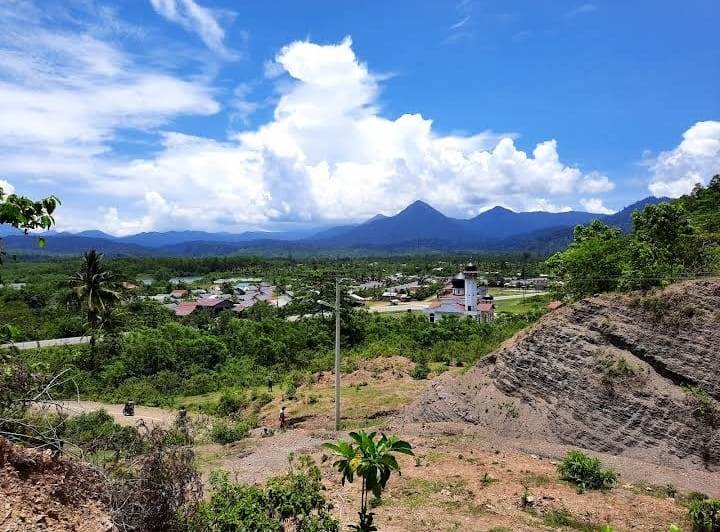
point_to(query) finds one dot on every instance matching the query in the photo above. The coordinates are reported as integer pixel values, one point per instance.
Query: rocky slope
(637, 375)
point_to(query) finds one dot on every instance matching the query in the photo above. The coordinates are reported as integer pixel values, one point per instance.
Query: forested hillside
(668, 242)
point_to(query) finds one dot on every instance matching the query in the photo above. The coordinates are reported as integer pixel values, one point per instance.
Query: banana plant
(373, 461)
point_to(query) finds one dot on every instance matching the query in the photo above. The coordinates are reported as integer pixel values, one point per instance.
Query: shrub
(295, 499)
(704, 406)
(231, 403)
(228, 432)
(200, 383)
(614, 369)
(97, 431)
(261, 398)
(585, 472)
(705, 515)
(290, 391)
(156, 487)
(420, 371)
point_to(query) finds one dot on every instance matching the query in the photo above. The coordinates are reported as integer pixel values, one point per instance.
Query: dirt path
(150, 415)
(258, 458)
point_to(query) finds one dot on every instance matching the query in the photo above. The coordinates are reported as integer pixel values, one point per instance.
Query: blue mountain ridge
(418, 226)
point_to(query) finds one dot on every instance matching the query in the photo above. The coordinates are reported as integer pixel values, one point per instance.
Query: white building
(463, 296)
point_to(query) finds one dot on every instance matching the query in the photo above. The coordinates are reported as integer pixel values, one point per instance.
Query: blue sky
(209, 114)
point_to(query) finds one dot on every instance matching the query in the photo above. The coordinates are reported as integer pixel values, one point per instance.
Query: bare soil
(446, 487)
(40, 492)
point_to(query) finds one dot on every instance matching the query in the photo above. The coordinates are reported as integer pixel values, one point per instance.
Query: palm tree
(371, 460)
(94, 287)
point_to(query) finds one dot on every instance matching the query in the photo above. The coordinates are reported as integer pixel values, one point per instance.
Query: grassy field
(522, 305)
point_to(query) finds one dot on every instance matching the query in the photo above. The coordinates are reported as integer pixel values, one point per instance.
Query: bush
(704, 406)
(200, 383)
(228, 432)
(261, 398)
(420, 371)
(231, 403)
(585, 472)
(290, 391)
(156, 488)
(97, 431)
(705, 515)
(295, 499)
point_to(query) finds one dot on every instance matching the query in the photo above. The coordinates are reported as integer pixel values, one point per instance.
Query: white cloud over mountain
(695, 160)
(595, 205)
(328, 152)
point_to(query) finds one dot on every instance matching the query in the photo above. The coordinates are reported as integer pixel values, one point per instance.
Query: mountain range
(418, 227)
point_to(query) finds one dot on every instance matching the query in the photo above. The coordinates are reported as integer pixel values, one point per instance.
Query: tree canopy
(668, 241)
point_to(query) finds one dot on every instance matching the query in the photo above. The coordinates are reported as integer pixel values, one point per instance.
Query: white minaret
(470, 289)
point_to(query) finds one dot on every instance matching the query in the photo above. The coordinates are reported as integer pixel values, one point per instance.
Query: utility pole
(337, 353)
(336, 308)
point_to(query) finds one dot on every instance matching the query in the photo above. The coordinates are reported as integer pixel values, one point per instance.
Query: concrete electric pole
(336, 309)
(337, 354)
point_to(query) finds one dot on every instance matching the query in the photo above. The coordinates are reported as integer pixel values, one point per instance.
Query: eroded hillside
(633, 374)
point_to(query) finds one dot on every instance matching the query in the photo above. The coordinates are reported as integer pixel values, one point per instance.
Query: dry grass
(457, 485)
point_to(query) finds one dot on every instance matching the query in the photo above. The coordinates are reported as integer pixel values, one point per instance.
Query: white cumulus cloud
(695, 160)
(595, 205)
(329, 153)
(595, 183)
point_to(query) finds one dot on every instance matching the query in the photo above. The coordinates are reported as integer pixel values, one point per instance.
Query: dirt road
(150, 415)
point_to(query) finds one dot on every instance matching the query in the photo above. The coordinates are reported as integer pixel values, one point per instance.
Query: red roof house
(215, 304)
(185, 308)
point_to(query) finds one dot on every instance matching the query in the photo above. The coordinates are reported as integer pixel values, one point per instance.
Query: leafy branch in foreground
(25, 214)
(373, 461)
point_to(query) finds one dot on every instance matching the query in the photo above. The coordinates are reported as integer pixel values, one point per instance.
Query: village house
(215, 304)
(462, 296)
(212, 304)
(369, 285)
(185, 308)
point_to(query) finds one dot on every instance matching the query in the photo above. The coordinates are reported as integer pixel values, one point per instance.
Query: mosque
(463, 296)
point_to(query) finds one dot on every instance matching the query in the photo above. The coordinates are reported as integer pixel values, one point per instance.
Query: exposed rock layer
(637, 374)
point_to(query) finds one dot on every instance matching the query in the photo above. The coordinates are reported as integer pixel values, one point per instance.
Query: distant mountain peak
(375, 218)
(499, 210)
(419, 207)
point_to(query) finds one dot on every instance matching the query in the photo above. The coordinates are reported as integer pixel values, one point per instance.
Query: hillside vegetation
(668, 242)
